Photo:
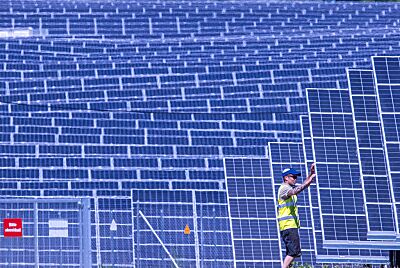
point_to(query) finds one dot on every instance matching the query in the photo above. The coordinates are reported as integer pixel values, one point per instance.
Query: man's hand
(298, 189)
(312, 171)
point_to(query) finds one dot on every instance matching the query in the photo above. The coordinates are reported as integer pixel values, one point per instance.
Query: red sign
(12, 227)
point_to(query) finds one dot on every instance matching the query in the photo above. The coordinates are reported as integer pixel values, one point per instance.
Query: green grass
(342, 265)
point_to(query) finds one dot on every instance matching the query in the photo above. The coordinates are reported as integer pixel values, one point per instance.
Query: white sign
(58, 228)
(113, 226)
(58, 224)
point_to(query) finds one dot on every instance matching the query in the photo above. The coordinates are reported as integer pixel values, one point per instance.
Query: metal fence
(115, 232)
(45, 233)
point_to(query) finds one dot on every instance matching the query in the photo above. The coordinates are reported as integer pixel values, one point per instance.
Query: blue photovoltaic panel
(324, 255)
(379, 202)
(285, 155)
(340, 190)
(387, 79)
(252, 212)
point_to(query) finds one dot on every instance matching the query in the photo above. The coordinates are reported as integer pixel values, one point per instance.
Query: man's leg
(292, 243)
(288, 260)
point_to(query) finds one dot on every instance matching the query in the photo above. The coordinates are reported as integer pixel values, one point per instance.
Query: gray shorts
(292, 242)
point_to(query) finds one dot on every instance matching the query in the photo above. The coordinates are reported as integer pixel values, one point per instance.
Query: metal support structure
(201, 236)
(97, 221)
(137, 236)
(133, 239)
(158, 238)
(36, 233)
(86, 250)
(195, 231)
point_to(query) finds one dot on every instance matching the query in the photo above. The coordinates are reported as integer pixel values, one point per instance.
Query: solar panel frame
(246, 172)
(324, 255)
(385, 79)
(364, 88)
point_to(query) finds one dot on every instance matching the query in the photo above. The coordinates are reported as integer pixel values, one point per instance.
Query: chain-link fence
(155, 228)
(181, 229)
(45, 233)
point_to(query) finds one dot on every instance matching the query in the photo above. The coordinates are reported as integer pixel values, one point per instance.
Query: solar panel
(343, 219)
(329, 255)
(252, 212)
(378, 189)
(386, 70)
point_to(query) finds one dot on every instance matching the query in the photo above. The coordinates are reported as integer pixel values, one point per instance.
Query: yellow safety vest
(288, 215)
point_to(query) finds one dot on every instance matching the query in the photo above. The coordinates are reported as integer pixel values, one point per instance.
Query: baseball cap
(288, 171)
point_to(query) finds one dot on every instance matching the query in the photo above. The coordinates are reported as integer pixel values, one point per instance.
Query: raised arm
(298, 189)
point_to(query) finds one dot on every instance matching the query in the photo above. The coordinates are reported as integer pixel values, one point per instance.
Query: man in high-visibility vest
(288, 216)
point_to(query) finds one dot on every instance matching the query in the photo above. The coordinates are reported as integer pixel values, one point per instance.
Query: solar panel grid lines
(329, 255)
(283, 155)
(336, 102)
(69, 131)
(386, 72)
(382, 221)
(193, 45)
(247, 10)
(16, 88)
(326, 105)
(248, 186)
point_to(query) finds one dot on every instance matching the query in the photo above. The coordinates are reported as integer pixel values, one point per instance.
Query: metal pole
(137, 236)
(195, 230)
(158, 238)
(215, 235)
(162, 229)
(36, 233)
(61, 245)
(86, 250)
(133, 236)
(202, 235)
(113, 248)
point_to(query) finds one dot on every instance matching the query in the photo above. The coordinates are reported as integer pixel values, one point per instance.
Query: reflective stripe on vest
(288, 204)
(287, 218)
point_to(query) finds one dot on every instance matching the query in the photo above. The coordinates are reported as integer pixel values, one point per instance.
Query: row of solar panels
(309, 45)
(179, 5)
(175, 93)
(262, 42)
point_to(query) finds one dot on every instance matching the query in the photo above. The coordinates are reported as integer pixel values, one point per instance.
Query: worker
(288, 216)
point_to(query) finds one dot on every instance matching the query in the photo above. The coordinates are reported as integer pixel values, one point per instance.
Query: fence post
(202, 235)
(85, 225)
(36, 232)
(195, 231)
(137, 235)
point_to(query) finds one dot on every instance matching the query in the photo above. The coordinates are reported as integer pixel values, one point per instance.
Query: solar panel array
(161, 112)
(355, 118)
